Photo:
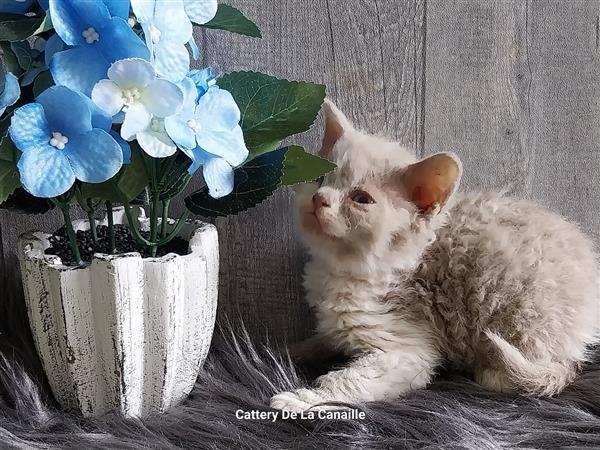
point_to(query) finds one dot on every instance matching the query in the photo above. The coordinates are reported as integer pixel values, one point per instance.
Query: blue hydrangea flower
(177, 125)
(118, 8)
(97, 40)
(15, 6)
(11, 92)
(132, 88)
(203, 79)
(217, 172)
(167, 29)
(54, 44)
(194, 86)
(211, 136)
(62, 138)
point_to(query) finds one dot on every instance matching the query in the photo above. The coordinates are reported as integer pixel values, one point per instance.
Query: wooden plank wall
(512, 86)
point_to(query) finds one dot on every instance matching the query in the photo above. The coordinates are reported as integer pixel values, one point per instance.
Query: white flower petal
(108, 96)
(137, 119)
(143, 9)
(201, 11)
(162, 98)
(172, 21)
(133, 72)
(219, 177)
(157, 144)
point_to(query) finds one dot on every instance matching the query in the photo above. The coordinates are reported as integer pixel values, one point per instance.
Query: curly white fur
(479, 282)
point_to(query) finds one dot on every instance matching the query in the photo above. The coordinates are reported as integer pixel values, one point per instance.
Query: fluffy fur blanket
(453, 413)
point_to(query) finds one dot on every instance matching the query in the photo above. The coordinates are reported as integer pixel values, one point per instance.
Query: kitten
(407, 275)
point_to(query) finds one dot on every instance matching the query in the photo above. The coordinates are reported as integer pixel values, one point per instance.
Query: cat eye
(320, 180)
(362, 197)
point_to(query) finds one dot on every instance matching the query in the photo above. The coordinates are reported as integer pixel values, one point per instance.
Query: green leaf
(22, 52)
(231, 19)
(265, 147)
(42, 82)
(45, 25)
(177, 178)
(254, 182)
(9, 179)
(14, 27)
(133, 178)
(23, 202)
(301, 167)
(8, 151)
(4, 125)
(10, 61)
(131, 181)
(272, 109)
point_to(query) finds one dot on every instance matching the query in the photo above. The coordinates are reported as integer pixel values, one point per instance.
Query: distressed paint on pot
(123, 332)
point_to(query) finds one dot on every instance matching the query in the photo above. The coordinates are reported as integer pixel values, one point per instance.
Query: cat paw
(297, 401)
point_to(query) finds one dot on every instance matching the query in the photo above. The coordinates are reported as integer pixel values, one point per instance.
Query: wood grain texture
(512, 86)
(477, 80)
(564, 132)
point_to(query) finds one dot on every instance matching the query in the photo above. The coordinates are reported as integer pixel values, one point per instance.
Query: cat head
(380, 205)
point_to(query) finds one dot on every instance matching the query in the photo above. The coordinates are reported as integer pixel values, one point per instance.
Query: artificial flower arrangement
(98, 106)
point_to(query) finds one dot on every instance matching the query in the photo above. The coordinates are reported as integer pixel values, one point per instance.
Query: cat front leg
(374, 376)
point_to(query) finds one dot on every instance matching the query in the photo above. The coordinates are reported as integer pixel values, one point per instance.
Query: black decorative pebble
(124, 243)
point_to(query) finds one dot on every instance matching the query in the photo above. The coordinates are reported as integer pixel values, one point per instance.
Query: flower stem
(136, 232)
(154, 222)
(88, 206)
(165, 218)
(92, 221)
(175, 231)
(64, 207)
(112, 248)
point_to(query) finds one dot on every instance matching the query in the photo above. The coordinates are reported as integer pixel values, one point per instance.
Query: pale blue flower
(203, 79)
(96, 38)
(217, 172)
(216, 125)
(193, 86)
(218, 138)
(62, 138)
(199, 12)
(177, 125)
(132, 88)
(167, 29)
(11, 92)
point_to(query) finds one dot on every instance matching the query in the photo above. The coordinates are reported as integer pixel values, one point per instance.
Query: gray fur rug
(453, 413)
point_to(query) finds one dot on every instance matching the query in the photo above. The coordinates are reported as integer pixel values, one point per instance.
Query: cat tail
(544, 378)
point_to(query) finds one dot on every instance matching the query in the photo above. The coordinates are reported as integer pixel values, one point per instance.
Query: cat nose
(320, 202)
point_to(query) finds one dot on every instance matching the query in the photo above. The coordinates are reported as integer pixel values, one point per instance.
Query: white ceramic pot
(123, 332)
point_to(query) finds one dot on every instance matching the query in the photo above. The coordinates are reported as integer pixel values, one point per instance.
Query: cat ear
(432, 181)
(336, 125)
